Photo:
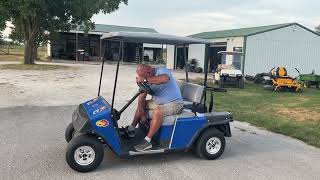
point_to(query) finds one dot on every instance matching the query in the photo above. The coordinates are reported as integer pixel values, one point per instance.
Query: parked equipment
(281, 80)
(95, 122)
(310, 79)
(229, 71)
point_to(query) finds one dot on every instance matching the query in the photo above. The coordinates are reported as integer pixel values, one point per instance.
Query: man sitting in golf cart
(166, 100)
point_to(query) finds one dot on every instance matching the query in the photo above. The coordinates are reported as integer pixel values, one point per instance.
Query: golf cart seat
(191, 93)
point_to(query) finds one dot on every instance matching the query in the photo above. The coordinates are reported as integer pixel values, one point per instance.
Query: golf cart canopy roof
(152, 38)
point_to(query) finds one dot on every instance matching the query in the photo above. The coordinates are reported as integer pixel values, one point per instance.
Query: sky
(186, 17)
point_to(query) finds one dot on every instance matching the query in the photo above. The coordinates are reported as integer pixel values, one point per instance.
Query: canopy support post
(206, 61)
(186, 67)
(101, 74)
(116, 78)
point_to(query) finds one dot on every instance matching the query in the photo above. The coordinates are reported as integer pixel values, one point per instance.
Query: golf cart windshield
(231, 59)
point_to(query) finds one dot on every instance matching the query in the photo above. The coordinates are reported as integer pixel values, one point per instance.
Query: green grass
(292, 114)
(32, 67)
(16, 53)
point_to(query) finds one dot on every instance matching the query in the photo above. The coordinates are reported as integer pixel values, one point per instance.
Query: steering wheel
(145, 87)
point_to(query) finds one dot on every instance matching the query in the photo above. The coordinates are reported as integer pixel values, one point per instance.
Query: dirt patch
(300, 114)
(300, 100)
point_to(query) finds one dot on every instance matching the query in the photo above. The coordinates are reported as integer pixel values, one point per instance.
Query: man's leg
(156, 122)
(140, 112)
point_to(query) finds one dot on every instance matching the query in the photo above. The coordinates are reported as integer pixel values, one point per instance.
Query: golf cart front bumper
(231, 79)
(80, 120)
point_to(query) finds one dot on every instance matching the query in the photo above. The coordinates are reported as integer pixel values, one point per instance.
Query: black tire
(81, 141)
(221, 82)
(201, 144)
(241, 83)
(69, 133)
(317, 85)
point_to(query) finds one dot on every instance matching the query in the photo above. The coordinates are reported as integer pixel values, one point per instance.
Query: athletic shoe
(143, 146)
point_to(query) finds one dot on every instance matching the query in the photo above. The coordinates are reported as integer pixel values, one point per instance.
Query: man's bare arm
(163, 78)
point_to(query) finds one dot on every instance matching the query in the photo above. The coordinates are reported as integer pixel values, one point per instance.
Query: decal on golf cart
(99, 110)
(102, 123)
(92, 101)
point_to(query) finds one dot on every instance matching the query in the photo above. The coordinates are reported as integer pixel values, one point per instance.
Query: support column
(186, 66)
(142, 60)
(77, 47)
(122, 50)
(100, 49)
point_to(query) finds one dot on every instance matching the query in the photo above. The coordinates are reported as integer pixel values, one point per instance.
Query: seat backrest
(191, 92)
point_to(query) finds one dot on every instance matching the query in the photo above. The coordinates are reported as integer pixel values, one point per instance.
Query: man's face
(145, 71)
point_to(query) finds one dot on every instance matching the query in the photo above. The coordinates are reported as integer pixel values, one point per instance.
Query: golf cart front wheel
(84, 153)
(69, 133)
(210, 144)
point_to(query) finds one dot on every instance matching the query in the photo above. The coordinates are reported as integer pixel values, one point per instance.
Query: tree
(33, 19)
(318, 29)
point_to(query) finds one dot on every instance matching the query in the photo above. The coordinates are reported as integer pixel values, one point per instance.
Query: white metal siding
(196, 51)
(292, 47)
(170, 56)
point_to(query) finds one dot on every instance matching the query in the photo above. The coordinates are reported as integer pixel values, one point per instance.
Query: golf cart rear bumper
(220, 120)
(80, 120)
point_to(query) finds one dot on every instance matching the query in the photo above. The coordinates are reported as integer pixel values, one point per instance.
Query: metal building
(291, 45)
(78, 45)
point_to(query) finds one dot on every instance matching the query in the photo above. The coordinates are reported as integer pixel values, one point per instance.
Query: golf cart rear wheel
(84, 153)
(210, 144)
(69, 133)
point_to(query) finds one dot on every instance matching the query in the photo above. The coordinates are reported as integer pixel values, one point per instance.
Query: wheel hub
(213, 145)
(84, 155)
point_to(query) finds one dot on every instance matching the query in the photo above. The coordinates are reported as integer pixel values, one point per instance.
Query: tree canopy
(33, 19)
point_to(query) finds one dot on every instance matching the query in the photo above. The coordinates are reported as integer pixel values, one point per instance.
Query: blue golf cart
(94, 123)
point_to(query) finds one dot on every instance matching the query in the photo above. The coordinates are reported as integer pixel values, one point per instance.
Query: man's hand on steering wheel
(141, 79)
(143, 85)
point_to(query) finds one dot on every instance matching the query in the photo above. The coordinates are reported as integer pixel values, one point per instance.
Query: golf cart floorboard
(128, 143)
